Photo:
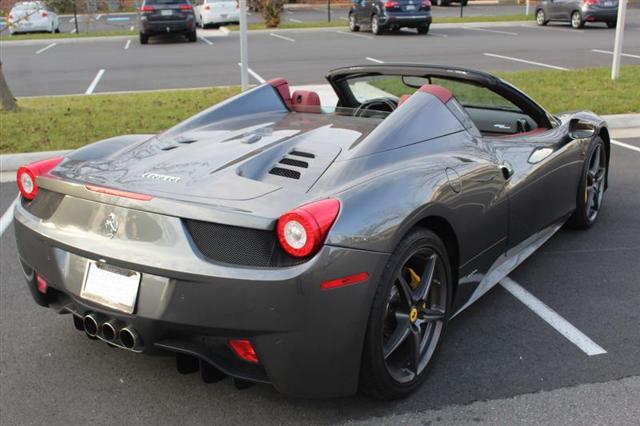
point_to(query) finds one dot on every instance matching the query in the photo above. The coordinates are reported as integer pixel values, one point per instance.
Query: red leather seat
(305, 101)
(282, 86)
(403, 99)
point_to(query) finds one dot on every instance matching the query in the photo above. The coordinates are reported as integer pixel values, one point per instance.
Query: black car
(577, 12)
(166, 17)
(381, 15)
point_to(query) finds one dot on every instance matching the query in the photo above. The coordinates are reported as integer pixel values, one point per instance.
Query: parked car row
(32, 16)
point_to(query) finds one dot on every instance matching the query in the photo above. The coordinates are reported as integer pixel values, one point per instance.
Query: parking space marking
(625, 145)
(355, 35)
(547, 28)
(98, 17)
(490, 31)
(224, 30)
(45, 48)
(127, 44)
(7, 217)
(205, 40)
(344, 19)
(254, 74)
(540, 64)
(94, 83)
(297, 21)
(131, 28)
(73, 31)
(377, 61)
(552, 318)
(282, 37)
(438, 34)
(608, 52)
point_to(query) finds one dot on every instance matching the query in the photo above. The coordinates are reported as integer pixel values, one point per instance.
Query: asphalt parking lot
(499, 348)
(47, 67)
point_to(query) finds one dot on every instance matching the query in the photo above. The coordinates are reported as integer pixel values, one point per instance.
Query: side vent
(295, 163)
(288, 173)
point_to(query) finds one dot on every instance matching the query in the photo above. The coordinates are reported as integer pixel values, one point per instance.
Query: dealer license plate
(110, 286)
(166, 12)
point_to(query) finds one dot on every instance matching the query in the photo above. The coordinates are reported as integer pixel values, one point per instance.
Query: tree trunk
(8, 101)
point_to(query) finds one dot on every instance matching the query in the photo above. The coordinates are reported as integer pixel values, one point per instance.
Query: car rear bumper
(167, 27)
(210, 17)
(404, 19)
(309, 341)
(600, 15)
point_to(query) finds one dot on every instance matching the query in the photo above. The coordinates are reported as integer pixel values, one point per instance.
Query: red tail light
(591, 1)
(206, 7)
(391, 4)
(426, 3)
(45, 14)
(41, 283)
(147, 9)
(344, 281)
(26, 176)
(185, 7)
(237, 4)
(10, 17)
(244, 349)
(302, 231)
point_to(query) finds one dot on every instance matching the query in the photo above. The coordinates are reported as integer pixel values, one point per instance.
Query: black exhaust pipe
(90, 323)
(111, 329)
(130, 338)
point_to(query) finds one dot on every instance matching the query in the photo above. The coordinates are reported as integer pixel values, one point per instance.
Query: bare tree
(8, 101)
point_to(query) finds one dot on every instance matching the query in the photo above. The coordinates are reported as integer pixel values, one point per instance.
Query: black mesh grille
(288, 173)
(238, 246)
(44, 205)
(296, 163)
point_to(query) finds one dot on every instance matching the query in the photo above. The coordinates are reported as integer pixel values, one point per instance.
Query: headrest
(440, 92)
(305, 101)
(282, 86)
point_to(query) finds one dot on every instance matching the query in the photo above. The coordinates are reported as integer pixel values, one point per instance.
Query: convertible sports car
(320, 249)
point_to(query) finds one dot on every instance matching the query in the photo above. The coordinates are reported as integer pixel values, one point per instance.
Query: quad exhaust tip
(110, 330)
(130, 338)
(90, 323)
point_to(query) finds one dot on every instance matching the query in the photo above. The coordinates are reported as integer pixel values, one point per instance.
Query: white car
(32, 16)
(216, 12)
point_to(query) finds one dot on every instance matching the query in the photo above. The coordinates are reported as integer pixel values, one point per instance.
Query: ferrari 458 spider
(321, 249)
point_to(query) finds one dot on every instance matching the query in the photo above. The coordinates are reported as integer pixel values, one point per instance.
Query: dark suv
(381, 15)
(166, 17)
(578, 12)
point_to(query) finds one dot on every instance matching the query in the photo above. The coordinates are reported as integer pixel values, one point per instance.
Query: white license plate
(608, 3)
(410, 7)
(113, 287)
(166, 12)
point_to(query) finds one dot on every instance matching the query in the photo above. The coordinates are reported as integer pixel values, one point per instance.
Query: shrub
(271, 11)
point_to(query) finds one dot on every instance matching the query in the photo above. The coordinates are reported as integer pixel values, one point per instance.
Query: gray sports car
(320, 249)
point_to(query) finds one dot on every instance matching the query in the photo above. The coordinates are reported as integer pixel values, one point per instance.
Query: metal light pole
(526, 9)
(75, 16)
(617, 47)
(244, 53)
(329, 10)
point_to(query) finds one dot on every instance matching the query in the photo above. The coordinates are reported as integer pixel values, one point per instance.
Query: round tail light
(26, 176)
(302, 231)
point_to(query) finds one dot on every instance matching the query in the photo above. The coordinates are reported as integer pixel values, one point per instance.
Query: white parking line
(98, 17)
(438, 34)
(282, 37)
(127, 44)
(297, 21)
(377, 61)
(547, 28)
(552, 318)
(73, 31)
(94, 83)
(45, 48)
(225, 30)
(254, 74)
(490, 31)
(205, 40)
(540, 64)
(7, 217)
(344, 19)
(608, 52)
(131, 28)
(625, 145)
(355, 35)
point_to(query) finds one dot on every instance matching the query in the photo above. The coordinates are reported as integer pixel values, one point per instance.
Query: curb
(619, 124)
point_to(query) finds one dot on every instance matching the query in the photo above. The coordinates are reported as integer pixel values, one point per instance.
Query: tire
(392, 376)
(576, 20)
(593, 183)
(612, 24)
(353, 27)
(192, 36)
(144, 38)
(376, 28)
(423, 29)
(58, 30)
(541, 18)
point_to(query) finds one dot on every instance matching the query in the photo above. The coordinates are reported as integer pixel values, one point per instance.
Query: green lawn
(63, 122)
(85, 34)
(71, 121)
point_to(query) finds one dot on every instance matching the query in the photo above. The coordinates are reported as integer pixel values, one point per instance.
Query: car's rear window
(161, 2)
(28, 6)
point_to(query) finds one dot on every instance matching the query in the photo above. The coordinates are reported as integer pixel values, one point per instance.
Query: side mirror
(580, 129)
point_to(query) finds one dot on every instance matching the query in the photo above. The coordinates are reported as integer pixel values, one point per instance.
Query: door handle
(507, 170)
